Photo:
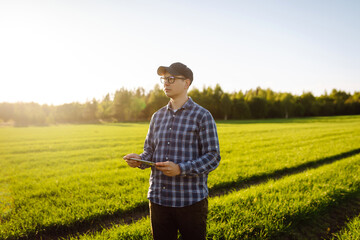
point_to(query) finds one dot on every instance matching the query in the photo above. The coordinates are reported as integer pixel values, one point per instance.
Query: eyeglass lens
(168, 79)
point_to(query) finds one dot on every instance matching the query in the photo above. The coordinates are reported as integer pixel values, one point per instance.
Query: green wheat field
(278, 179)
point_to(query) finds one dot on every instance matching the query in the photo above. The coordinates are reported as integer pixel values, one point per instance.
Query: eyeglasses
(170, 79)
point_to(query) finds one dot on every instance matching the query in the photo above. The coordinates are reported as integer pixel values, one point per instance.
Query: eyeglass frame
(162, 79)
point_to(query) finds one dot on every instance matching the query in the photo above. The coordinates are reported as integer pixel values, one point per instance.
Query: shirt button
(169, 128)
(168, 143)
(163, 187)
(167, 158)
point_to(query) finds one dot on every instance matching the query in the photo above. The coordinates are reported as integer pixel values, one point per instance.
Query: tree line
(137, 105)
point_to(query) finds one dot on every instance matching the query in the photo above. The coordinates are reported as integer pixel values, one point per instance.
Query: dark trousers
(189, 220)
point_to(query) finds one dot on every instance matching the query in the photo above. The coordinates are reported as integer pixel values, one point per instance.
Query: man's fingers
(163, 164)
(163, 168)
(131, 155)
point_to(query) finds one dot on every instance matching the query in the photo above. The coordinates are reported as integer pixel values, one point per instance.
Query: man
(182, 141)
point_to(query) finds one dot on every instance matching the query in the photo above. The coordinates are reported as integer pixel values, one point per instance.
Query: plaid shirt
(187, 137)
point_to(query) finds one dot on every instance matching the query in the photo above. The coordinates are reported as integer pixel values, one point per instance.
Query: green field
(278, 179)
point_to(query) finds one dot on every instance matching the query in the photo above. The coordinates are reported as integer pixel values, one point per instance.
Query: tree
(69, 113)
(226, 105)
(89, 111)
(155, 101)
(287, 105)
(258, 107)
(307, 100)
(339, 98)
(137, 105)
(105, 110)
(326, 104)
(6, 111)
(353, 103)
(240, 109)
(122, 102)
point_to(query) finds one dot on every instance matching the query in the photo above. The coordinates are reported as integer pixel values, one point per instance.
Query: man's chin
(168, 94)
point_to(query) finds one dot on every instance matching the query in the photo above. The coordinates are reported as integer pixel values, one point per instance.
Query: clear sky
(64, 51)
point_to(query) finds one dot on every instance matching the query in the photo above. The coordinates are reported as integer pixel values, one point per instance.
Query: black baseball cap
(176, 69)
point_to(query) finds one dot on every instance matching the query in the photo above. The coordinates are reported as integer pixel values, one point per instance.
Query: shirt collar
(187, 105)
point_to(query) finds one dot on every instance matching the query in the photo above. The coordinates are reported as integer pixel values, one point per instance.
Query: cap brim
(162, 70)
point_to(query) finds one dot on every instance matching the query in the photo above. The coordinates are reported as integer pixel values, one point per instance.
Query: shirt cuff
(184, 168)
(142, 166)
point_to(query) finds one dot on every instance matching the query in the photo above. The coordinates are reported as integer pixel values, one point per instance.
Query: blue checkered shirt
(187, 137)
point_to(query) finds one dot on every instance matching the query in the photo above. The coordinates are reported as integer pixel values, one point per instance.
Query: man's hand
(132, 163)
(170, 169)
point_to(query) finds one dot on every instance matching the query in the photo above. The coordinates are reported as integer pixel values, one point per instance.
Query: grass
(351, 231)
(60, 176)
(68, 176)
(277, 209)
(250, 151)
(294, 207)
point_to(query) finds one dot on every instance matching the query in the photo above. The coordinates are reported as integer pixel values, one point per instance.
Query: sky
(62, 51)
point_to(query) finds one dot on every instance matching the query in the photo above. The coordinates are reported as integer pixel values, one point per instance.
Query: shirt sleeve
(210, 150)
(148, 145)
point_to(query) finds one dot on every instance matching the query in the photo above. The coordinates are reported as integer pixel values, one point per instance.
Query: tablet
(143, 161)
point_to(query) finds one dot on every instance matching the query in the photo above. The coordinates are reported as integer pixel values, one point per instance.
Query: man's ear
(188, 83)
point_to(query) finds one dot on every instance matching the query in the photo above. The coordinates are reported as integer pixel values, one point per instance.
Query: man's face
(178, 88)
